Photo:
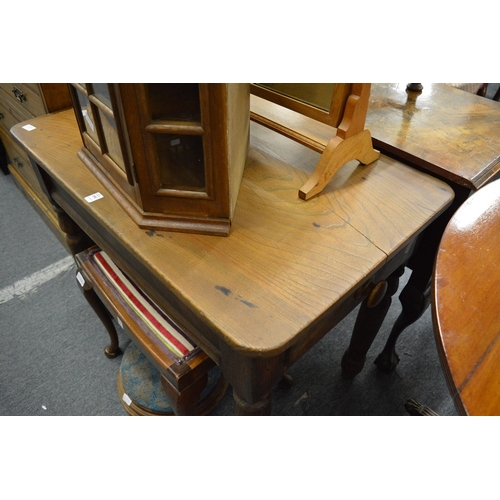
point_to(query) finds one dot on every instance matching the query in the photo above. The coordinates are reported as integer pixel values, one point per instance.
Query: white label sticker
(80, 279)
(93, 197)
(119, 322)
(126, 399)
(29, 127)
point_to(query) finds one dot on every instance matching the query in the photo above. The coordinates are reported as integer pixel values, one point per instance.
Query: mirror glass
(315, 94)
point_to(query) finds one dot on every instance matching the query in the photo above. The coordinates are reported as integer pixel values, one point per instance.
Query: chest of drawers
(20, 102)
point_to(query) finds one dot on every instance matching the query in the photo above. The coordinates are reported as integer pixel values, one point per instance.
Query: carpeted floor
(51, 343)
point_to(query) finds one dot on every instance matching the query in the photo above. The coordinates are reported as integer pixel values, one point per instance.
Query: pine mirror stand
(339, 105)
(171, 154)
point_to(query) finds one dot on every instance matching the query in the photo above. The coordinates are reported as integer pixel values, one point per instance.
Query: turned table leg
(76, 239)
(259, 408)
(252, 379)
(414, 302)
(286, 381)
(414, 299)
(368, 323)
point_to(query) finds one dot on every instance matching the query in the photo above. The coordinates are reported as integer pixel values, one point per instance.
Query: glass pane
(88, 117)
(315, 94)
(181, 161)
(102, 93)
(174, 101)
(112, 141)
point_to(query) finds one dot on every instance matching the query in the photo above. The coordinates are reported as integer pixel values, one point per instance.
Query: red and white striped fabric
(152, 316)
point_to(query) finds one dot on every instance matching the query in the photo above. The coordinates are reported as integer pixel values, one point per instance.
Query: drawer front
(10, 114)
(26, 96)
(19, 161)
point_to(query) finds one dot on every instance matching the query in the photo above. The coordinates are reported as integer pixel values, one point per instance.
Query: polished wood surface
(446, 131)
(449, 132)
(289, 271)
(465, 303)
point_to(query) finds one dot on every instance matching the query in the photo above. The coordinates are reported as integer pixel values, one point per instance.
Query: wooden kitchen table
(289, 271)
(455, 136)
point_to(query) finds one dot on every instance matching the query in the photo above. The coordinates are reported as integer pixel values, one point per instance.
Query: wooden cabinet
(172, 154)
(20, 102)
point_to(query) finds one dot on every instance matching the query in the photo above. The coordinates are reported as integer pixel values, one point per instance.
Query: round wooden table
(466, 303)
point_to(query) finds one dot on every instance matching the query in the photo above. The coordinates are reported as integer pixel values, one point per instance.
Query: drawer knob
(1, 116)
(377, 294)
(19, 94)
(18, 163)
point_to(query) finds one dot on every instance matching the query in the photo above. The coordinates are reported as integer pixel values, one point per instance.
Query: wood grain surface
(465, 303)
(286, 262)
(449, 132)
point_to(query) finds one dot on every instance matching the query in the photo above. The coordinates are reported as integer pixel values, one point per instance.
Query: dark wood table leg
(252, 379)
(367, 325)
(286, 382)
(414, 301)
(76, 239)
(415, 297)
(259, 408)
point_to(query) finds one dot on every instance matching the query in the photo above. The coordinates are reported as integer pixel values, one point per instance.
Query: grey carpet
(51, 346)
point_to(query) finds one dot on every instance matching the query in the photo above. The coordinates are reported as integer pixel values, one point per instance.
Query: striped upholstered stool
(181, 378)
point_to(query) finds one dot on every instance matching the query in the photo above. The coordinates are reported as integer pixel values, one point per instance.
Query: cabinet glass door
(181, 161)
(99, 122)
(88, 117)
(175, 125)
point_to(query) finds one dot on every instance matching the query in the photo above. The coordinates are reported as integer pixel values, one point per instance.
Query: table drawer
(10, 114)
(26, 96)
(19, 161)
